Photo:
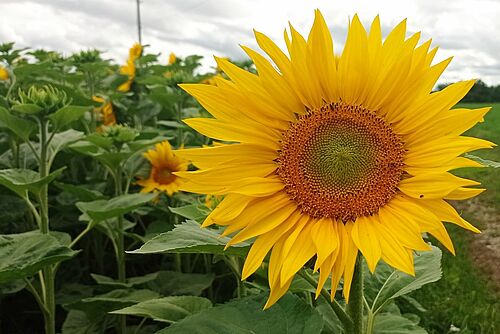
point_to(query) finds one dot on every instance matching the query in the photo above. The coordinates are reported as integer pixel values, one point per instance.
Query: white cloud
(464, 28)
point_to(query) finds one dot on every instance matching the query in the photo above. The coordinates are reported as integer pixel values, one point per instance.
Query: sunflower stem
(337, 309)
(355, 306)
(47, 277)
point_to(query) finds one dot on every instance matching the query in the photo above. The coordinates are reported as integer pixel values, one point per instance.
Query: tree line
(481, 92)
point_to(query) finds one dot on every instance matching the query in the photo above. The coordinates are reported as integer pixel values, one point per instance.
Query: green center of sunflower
(340, 161)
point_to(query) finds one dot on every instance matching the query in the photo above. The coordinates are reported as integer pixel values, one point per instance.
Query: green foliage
(21, 181)
(167, 309)
(387, 284)
(189, 237)
(106, 209)
(23, 255)
(290, 315)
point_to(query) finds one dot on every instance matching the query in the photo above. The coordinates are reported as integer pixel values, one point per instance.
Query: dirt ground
(486, 245)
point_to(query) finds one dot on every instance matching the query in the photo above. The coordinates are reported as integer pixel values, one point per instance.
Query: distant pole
(139, 28)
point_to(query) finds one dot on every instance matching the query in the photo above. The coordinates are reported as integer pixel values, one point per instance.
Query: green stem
(180, 134)
(337, 309)
(369, 322)
(48, 273)
(120, 246)
(355, 306)
(35, 294)
(13, 80)
(178, 262)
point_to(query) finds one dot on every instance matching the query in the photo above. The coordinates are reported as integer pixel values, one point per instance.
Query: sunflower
(163, 165)
(129, 68)
(172, 58)
(334, 155)
(4, 75)
(106, 111)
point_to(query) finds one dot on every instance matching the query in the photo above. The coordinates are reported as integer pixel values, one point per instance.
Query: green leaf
(197, 212)
(82, 193)
(117, 206)
(172, 124)
(77, 322)
(27, 108)
(332, 322)
(97, 306)
(63, 139)
(67, 114)
(389, 284)
(189, 237)
(484, 162)
(168, 309)
(23, 128)
(22, 180)
(389, 323)
(12, 287)
(130, 282)
(176, 283)
(290, 315)
(24, 254)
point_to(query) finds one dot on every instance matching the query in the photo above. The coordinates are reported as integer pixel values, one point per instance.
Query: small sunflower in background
(4, 74)
(172, 58)
(164, 163)
(334, 155)
(107, 115)
(129, 68)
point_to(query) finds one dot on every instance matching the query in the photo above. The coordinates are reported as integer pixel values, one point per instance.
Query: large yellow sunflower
(163, 164)
(332, 155)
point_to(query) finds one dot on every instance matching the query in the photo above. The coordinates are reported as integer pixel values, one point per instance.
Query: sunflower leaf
(22, 180)
(24, 254)
(23, 128)
(290, 315)
(67, 114)
(387, 284)
(106, 209)
(189, 237)
(197, 212)
(484, 162)
(97, 306)
(167, 309)
(390, 323)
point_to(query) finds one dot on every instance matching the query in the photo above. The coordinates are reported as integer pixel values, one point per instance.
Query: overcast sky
(467, 29)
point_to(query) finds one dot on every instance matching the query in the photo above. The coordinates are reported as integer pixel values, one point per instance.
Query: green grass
(464, 296)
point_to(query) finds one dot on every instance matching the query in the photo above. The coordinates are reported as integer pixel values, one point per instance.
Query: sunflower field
(306, 194)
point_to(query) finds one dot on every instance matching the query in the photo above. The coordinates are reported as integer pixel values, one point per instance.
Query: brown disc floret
(340, 161)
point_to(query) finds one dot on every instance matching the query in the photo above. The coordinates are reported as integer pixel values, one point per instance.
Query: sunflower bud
(49, 99)
(120, 134)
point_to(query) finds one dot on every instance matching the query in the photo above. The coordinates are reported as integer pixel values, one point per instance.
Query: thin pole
(139, 28)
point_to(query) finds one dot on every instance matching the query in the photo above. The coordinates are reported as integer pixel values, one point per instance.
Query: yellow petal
(325, 239)
(302, 250)
(442, 150)
(266, 224)
(445, 212)
(364, 235)
(236, 154)
(264, 243)
(231, 131)
(323, 58)
(431, 186)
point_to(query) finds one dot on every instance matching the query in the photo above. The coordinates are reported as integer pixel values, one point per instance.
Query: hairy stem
(355, 306)
(47, 272)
